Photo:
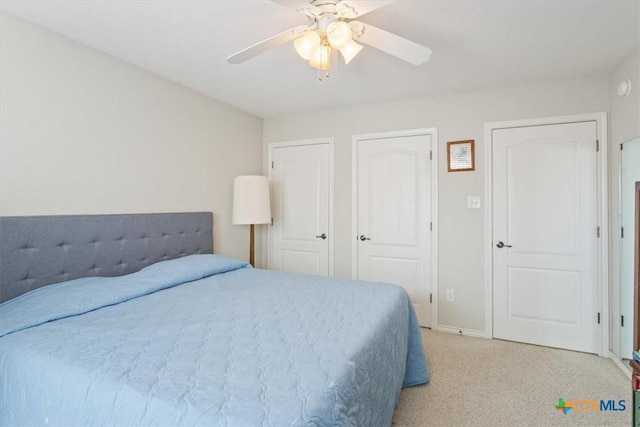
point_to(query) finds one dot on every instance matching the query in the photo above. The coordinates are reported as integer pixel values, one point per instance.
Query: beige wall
(625, 111)
(457, 117)
(624, 125)
(84, 133)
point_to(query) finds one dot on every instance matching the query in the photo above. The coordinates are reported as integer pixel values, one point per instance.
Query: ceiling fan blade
(301, 6)
(266, 44)
(351, 9)
(390, 43)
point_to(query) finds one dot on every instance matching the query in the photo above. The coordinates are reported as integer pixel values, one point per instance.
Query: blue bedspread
(205, 340)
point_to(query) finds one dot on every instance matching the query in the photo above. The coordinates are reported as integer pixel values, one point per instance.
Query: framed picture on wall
(461, 156)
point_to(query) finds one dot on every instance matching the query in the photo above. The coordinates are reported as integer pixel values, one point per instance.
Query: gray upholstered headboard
(39, 250)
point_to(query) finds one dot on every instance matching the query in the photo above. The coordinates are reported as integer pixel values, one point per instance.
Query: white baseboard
(460, 331)
(624, 367)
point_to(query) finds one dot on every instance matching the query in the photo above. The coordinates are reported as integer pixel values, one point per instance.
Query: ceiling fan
(333, 29)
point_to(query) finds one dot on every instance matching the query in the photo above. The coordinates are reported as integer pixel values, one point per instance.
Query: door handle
(322, 236)
(502, 245)
(363, 238)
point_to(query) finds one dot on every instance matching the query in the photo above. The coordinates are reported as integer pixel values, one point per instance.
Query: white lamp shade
(251, 203)
(338, 34)
(350, 51)
(306, 44)
(320, 57)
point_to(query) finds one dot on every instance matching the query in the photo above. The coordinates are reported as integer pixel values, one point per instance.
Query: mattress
(207, 340)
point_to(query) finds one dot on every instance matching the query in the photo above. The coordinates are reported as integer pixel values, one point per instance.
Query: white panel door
(629, 175)
(545, 235)
(394, 215)
(300, 201)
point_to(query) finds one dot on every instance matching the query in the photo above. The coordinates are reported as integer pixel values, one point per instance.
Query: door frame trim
(602, 214)
(433, 132)
(299, 143)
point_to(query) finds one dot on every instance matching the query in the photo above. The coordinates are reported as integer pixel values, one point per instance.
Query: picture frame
(461, 156)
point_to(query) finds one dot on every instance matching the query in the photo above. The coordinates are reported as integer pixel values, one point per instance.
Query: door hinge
(598, 318)
(430, 298)
(622, 321)
(598, 231)
(431, 226)
(430, 155)
(621, 147)
(622, 232)
(271, 164)
(597, 145)
(271, 221)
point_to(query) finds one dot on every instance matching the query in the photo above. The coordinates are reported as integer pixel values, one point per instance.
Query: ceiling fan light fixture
(320, 57)
(350, 51)
(333, 28)
(306, 44)
(339, 34)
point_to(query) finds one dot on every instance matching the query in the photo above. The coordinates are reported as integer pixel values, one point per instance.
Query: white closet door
(545, 235)
(394, 215)
(300, 183)
(629, 175)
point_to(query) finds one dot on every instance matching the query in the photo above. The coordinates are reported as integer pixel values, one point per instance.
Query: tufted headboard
(39, 250)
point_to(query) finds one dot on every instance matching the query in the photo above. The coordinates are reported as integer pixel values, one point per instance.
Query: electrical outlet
(449, 297)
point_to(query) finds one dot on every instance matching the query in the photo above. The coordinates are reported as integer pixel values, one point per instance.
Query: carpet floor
(480, 382)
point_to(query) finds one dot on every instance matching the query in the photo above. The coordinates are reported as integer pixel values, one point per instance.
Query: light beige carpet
(480, 382)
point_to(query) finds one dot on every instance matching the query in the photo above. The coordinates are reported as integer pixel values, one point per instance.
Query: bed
(132, 320)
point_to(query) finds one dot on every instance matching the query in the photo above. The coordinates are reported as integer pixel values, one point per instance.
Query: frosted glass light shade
(320, 57)
(350, 51)
(338, 34)
(306, 44)
(251, 203)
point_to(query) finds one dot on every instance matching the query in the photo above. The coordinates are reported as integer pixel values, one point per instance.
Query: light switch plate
(449, 296)
(473, 202)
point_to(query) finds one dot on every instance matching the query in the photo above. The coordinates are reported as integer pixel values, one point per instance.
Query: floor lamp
(251, 205)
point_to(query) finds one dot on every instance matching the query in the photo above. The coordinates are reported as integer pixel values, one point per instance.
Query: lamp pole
(251, 245)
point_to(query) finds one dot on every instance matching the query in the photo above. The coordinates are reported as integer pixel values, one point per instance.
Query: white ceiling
(476, 45)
